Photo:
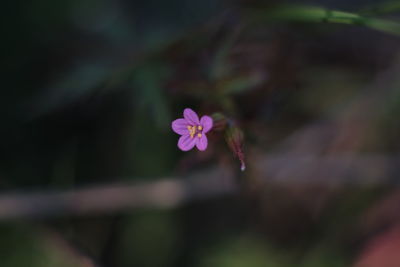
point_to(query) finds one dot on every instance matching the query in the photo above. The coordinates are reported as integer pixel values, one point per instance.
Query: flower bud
(234, 137)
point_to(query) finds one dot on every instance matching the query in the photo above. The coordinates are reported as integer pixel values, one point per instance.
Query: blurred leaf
(220, 67)
(317, 14)
(242, 84)
(78, 83)
(383, 25)
(312, 14)
(149, 83)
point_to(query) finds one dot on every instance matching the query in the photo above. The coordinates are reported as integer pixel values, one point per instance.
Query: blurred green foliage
(23, 245)
(322, 15)
(146, 233)
(243, 251)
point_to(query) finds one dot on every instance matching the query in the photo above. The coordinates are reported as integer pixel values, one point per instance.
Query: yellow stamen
(192, 131)
(199, 135)
(199, 127)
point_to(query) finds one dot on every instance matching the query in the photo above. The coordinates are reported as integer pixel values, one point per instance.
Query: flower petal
(185, 143)
(207, 123)
(179, 126)
(191, 116)
(202, 142)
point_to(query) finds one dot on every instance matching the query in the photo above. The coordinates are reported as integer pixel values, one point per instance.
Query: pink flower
(193, 130)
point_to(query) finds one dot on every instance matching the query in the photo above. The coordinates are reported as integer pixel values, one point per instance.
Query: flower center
(195, 130)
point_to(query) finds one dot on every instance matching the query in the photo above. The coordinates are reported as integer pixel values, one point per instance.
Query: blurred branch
(167, 193)
(171, 193)
(328, 170)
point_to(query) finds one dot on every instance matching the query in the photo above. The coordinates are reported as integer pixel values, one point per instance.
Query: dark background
(90, 173)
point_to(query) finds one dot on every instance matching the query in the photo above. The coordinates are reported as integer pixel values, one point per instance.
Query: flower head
(193, 130)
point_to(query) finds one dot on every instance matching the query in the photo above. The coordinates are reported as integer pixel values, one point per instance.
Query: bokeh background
(90, 172)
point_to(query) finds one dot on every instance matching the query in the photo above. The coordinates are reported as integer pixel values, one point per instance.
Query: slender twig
(164, 193)
(171, 193)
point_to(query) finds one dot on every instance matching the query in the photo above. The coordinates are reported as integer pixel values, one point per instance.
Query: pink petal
(179, 126)
(202, 142)
(185, 143)
(207, 123)
(191, 116)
